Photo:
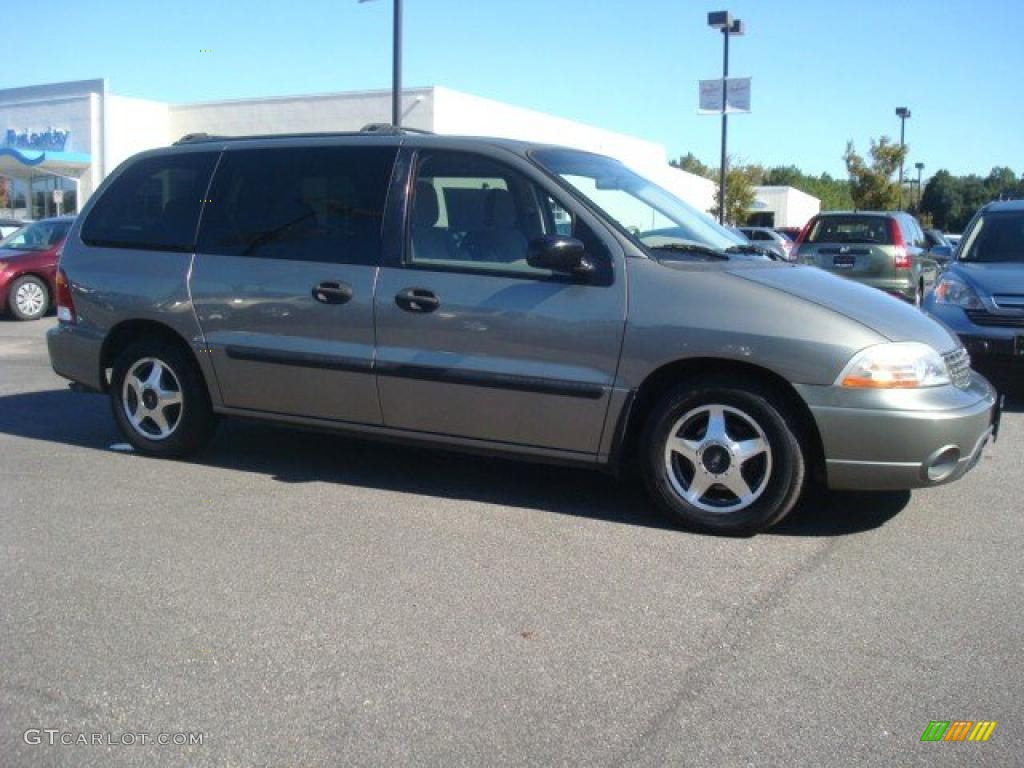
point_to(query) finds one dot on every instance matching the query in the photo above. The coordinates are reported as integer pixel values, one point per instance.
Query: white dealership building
(58, 141)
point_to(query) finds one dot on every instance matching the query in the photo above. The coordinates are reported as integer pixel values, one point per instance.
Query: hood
(884, 314)
(991, 278)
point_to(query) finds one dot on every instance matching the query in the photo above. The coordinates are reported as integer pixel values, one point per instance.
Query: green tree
(942, 200)
(739, 193)
(833, 193)
(1001, 182)
(871, 184)
(691, 164)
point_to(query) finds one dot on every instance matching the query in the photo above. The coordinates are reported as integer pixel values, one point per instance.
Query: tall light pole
(920, 167)
(902, 113)
(396, 73)
(723, 21)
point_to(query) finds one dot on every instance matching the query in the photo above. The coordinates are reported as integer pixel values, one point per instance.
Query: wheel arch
(670, 375)
(128, 332)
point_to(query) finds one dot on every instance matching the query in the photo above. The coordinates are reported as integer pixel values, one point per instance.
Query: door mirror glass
(559, 253)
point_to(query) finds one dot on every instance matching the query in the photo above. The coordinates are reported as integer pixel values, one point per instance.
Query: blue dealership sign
(50, 140)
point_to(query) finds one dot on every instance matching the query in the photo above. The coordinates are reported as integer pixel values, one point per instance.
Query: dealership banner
(737, 96)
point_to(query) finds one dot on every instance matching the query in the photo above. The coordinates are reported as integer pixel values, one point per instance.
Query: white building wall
(457, 113)
(792, 208)
(132, 126)
(300, 114)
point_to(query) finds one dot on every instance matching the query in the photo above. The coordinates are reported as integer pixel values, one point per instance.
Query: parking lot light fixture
(723, 21)
(902, 113)
(396, 73)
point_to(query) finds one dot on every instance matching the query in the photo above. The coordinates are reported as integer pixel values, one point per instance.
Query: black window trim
(407, 263)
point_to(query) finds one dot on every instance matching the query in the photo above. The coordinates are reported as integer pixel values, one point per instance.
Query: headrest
(425, 205)
(501, 209)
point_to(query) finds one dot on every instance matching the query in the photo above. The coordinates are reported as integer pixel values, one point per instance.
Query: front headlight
(899, 365)
(954, 291)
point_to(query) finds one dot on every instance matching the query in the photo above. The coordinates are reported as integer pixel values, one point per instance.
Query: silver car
(502, 297)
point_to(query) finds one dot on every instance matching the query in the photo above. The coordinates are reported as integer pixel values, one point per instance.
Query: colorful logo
(958, 730)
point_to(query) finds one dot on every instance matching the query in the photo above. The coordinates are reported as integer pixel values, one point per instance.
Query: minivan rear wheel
(723, 456)
(159, 400)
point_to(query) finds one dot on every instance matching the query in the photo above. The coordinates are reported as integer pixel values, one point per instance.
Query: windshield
(37, 237)
(996, 237)
(653, 217)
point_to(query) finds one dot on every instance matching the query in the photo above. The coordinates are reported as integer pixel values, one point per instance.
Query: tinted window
(299, 203)
(995, 237)
(470, 211)
(152, 204)
(850, 229)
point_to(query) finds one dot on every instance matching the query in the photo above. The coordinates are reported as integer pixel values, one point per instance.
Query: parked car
(769, 238)
(791, 232)
(953, 240)
(939, 247)
(981, 294)
(415, 287)
(9, 227)
(885, 250)
(28, 267)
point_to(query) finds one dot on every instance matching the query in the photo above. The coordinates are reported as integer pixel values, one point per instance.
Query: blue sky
(824, 71)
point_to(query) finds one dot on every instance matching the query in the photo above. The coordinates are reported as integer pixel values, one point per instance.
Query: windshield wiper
(751, 249)
(703, 250)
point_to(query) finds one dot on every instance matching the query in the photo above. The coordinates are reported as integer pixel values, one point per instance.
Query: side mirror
(942, 253)
(560, 254)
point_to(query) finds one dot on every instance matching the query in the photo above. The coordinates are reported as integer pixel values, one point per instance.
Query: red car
(28, 267)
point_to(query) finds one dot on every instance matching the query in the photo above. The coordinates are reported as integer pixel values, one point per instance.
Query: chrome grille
(959, 364)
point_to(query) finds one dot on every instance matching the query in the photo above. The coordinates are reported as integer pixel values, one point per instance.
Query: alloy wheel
(718, 458)
(152, 399)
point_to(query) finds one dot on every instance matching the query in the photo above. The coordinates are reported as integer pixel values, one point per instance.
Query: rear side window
(154, 204)
(299, 204)
(851, 229)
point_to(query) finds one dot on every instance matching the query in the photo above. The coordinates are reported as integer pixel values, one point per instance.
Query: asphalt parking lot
(303, 599)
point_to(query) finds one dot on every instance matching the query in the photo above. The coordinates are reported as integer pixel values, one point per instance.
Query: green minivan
(886, 250)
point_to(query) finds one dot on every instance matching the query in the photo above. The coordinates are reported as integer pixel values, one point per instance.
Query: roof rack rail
(383, 129)
(392, 129)
(190, 138)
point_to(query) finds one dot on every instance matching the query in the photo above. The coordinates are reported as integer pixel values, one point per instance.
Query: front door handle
(417, 300)
(332, 292)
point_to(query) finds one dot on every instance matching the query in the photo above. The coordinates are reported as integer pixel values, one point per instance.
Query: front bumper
(897, 440)
(985, 343)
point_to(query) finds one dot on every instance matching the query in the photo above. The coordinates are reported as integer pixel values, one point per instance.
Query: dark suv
(503, 297)
(886, 250)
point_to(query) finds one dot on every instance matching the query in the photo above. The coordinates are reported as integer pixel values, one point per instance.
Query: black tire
(30, 281)
(194, 420)
(779, 473)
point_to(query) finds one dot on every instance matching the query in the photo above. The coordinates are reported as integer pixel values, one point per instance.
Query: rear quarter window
(154, 204)
(851, 229)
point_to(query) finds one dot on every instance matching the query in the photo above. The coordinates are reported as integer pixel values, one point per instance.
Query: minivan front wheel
(723, 456)
(159, 400)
